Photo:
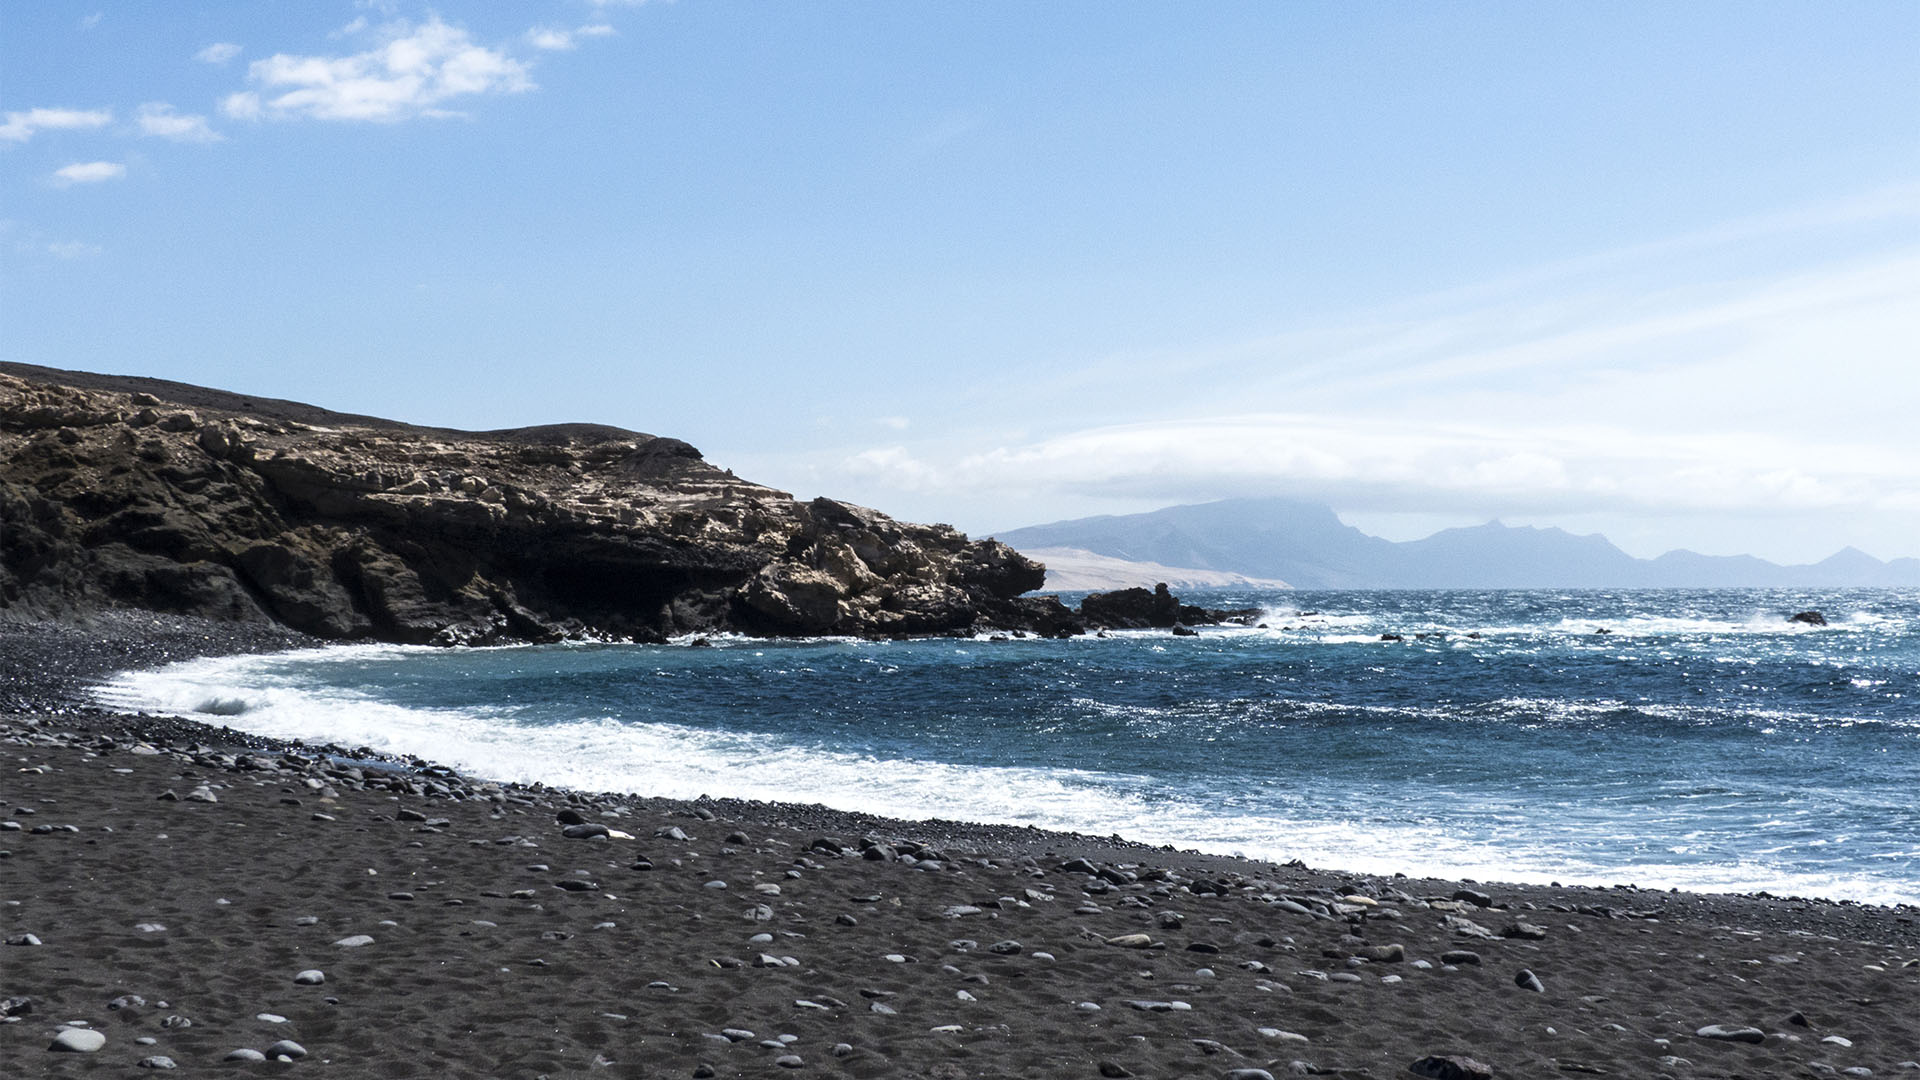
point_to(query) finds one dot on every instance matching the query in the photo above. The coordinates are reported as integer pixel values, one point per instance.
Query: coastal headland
(126, 492)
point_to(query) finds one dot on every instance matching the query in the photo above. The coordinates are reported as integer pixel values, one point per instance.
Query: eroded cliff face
(355, 528)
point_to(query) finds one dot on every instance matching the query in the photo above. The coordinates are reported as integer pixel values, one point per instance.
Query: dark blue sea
(1704, 742)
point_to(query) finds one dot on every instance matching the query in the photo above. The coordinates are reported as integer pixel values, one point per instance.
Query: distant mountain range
(1306, 545)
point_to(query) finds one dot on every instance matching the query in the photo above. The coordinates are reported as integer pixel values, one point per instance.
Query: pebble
(1249, 1074)
(310, 977)
(1730, 1033)
(286, 1048)
(1451, 1067)
(354, 942)
(790, 1061)
(1527, 980)
(245, 1054)
(157, 1061)
(77, 1041)
(270, 1018)
(1283, 1036)
(1131, 941)
(1460, 956)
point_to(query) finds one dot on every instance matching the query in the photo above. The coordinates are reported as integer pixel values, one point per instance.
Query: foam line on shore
(1294, 821)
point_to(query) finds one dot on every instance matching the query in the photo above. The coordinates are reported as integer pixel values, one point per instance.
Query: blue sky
(1645, 269)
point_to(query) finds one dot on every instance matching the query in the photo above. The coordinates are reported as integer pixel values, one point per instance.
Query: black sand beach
(166, 885)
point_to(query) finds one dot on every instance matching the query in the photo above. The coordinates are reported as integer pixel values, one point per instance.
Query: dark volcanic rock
(345, 527)
(1137, 609)
(1811, 618)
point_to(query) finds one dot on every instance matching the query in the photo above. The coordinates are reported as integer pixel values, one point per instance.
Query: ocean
(1703, 742)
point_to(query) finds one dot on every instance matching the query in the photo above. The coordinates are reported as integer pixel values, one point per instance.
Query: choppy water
(1705, 743)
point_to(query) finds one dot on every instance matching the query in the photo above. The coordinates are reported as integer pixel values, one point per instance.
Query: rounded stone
(77, 1041)
(310, 977)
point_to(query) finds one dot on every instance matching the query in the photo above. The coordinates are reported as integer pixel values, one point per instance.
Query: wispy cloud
(1676, 380)
(159, 119)
(88, 172)
(21, 126)
(414, 71)
(72, 249)
(1390, 463)
(218, 53)
(88, 22)
(555, 39)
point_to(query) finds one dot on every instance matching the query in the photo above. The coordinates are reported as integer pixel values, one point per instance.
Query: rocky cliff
(120, 492)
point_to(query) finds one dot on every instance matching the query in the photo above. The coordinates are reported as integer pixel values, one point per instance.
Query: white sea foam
(271, 696)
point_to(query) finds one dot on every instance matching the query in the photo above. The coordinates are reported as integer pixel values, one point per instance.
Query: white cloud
(158, 119)
(554, 39)
(72, 249)
(1394, 463)
(217, 53)
(550, 39)
(1742, 375)
(20, 126)
(413, 72)
(89, 172)
(897, 423)
(88, 22)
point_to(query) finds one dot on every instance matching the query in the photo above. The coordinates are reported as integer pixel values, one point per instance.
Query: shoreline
(51, 678)
(1350, 987)
(186, 639)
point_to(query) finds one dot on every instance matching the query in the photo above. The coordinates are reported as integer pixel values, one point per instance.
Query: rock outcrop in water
(118, 492)
(181, 499)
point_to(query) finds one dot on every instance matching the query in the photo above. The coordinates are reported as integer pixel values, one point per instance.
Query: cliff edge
(119, 492)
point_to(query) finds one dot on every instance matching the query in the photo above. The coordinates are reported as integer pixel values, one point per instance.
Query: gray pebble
(1527, 980)
(244, 1054)
(77, 1041)
(287, 1048)
(354, 942)
(1730, 1033)
(310, 977)
(157, 1061)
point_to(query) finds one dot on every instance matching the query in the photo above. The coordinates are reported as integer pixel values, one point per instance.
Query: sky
(1645, 269)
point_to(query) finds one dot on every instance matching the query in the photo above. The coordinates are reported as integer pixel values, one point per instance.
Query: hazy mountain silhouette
(1306, 544)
